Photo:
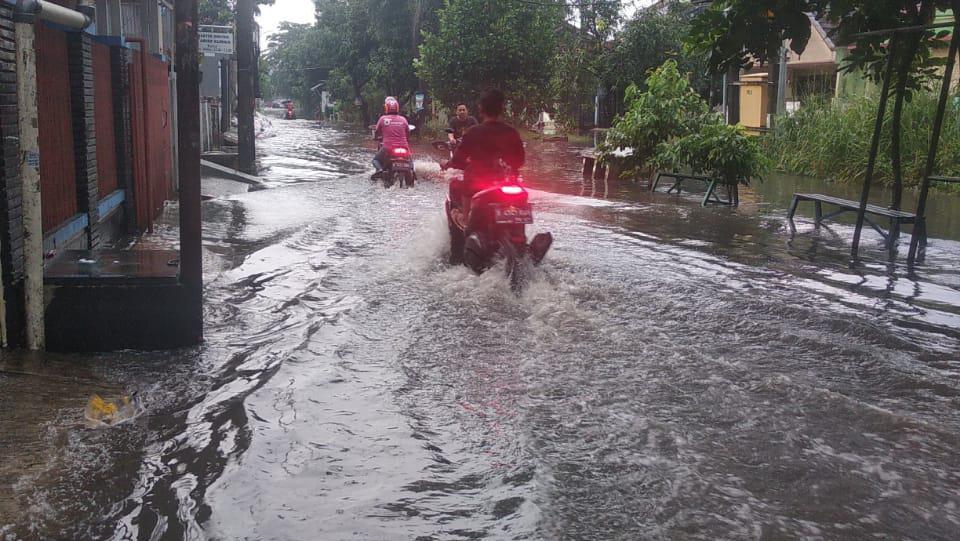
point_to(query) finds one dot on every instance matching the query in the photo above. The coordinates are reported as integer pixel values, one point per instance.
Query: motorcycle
(449, 146)
(495, 230)
(399, 168)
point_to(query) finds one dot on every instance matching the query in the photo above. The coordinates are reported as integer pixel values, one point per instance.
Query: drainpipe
(25, 15)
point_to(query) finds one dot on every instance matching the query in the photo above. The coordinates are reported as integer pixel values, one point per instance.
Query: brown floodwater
(672, 372)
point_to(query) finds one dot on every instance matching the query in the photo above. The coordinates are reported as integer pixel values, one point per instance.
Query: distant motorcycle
(495, 229)
(399, 168)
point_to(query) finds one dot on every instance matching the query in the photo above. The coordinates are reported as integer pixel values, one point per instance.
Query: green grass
(831, 140)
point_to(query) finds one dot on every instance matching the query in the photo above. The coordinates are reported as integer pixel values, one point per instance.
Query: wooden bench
(710, 197)
(896, 217)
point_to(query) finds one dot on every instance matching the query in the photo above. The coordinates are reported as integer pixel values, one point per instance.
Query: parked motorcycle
(495, 230)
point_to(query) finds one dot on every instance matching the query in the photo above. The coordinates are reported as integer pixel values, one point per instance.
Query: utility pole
(245, 98)
(782, 82)
(188, 137)
(30, 175)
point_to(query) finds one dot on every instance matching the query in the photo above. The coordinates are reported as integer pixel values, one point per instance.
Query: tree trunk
(896, 121)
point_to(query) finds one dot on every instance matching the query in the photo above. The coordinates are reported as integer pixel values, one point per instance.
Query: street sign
(418, 101)
(216, 40)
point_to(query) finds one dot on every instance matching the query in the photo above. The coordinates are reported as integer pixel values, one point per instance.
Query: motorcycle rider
(391, 130)
(481, 152)
(460, 122)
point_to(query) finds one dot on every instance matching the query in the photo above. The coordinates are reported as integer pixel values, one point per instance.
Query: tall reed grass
(830, 139)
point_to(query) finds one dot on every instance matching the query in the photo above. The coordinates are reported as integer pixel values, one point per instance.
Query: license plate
(402, 166)
(522, 214)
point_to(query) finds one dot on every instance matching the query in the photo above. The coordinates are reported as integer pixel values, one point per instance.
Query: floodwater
(672, 372)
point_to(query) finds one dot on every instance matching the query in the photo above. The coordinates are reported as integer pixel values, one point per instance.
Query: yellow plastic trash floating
(110, 411)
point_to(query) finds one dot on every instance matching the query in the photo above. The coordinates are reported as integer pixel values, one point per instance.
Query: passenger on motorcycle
(391, 131)
(483, 152)
(460, 122)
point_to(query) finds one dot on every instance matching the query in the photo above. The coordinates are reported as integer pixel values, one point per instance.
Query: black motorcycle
(447, 146)
(495, 230)
(397, 169)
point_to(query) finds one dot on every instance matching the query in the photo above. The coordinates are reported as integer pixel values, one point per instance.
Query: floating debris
(101, 412)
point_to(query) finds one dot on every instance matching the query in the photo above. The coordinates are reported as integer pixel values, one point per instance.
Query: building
(106, 119)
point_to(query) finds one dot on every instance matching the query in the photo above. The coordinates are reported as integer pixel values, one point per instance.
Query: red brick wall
(105, 134)
(58, 187)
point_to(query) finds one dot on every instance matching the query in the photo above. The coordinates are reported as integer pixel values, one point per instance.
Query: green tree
(221, 12)
(581, 55)
(484, 43)
(292, 62)
(745, 32)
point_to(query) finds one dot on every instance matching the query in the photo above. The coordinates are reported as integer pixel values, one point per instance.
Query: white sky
(295, 11)
(301, 11)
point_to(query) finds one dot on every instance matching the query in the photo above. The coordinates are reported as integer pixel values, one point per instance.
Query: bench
(710, 197)
(896, 217)
(597, 170)
(947, 180)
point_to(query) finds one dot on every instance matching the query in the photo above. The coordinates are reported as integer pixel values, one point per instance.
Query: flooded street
(672, 372)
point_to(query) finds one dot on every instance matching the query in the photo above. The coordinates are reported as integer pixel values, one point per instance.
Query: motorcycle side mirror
(411, 127)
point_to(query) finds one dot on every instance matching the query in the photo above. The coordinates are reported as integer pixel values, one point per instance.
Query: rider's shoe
(459, 218)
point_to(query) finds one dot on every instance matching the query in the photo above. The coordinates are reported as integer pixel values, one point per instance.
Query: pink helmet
(391, 106)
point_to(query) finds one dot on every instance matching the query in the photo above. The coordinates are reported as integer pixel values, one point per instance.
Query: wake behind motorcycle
(494, 230)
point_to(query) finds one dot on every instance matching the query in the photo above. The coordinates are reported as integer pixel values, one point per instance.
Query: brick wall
(84, 131)
(120, 63)
(11, 188)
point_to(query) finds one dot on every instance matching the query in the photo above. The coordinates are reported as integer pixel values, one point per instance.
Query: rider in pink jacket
(392, 131)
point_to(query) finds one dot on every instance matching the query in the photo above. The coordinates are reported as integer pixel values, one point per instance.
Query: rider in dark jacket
(484, 151)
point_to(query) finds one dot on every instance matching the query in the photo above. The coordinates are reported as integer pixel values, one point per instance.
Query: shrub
(831, 139)
(668, 108)
(717, 150)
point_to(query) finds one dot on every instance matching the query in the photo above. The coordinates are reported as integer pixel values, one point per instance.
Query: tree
(484, 43)
(221, 12)
(293, 57)
(744, 32)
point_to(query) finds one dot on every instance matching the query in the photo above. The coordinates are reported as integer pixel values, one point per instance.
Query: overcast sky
(301, 11)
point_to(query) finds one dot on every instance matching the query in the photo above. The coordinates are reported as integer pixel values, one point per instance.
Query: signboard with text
(216, 40)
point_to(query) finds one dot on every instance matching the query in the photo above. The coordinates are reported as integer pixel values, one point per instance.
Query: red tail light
(511, 190)
(399, 151)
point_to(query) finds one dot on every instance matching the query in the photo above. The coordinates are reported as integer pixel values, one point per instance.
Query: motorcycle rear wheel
(514, 266)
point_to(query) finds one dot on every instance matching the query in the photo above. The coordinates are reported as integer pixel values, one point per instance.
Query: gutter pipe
(28, 11)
